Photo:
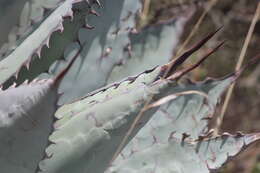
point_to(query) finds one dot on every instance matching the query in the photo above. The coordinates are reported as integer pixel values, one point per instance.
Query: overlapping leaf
(185, 115)
(180, 156)
(152, 46)
(32, 12)
(26, 121)
(36, 44)
(92, 129)
(104, 47)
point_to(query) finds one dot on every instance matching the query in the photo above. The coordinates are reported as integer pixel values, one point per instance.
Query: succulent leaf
(26, 121)
(170, 125)
(180, 156)
(186, 115)
(90, 136)
(84, 121)
(152, 46)
(37, 43)
(32, 13)
(189, 113)
(105, 39)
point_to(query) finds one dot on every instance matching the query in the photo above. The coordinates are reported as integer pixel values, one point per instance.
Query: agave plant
(152, 120)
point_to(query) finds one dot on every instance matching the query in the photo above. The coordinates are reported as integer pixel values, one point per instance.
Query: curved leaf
(103, 47)
(180, 156)
(33, 12)
(26, 120)
(91, 129)
(154, 45)
(25, 55)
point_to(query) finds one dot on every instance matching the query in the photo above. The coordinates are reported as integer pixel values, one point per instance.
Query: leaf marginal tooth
(87, 26)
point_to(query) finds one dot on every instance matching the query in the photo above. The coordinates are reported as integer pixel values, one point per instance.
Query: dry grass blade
(187, 70)
(174, 64)
(146, 9)
(238, 66)
(173, 97)
(196, 26)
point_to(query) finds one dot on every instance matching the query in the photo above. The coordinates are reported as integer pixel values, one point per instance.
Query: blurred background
(243, 111)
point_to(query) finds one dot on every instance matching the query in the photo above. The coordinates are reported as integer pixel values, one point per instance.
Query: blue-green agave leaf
(178, 156)
(91, 130)
(152, 46)
(186, 115)
(104, 41)
(32, 13)
(33, 52)
(26, 121)
(189, 113)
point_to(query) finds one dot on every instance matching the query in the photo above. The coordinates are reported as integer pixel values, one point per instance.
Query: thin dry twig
(174, 96)
(196, 26)
(238, 66)
(146, 9)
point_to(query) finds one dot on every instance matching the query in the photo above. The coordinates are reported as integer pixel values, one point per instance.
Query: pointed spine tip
(177, 76)
(174, 64)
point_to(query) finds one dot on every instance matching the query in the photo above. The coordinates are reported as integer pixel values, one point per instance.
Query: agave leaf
(38, 8)
(180, 156)
(152, 46)
(160, 131)
(26, 121)
(33, 12)
(91, 129)
(25, 55)
(104, 46)
(185, 115)
(26, 118)
(89, 136)
(142, 77)
(189, 113)
(64, 114)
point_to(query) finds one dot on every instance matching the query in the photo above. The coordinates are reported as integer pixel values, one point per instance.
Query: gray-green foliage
(150, 47)
(26, 120)
(34, 55)
(187, 117)
(100, 134)
(102, 48)
(20, 23)
(91, 44)
(177, 156)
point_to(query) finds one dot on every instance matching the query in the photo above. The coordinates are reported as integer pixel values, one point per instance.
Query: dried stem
(196, 27)
(238, 66)
(146, 9)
